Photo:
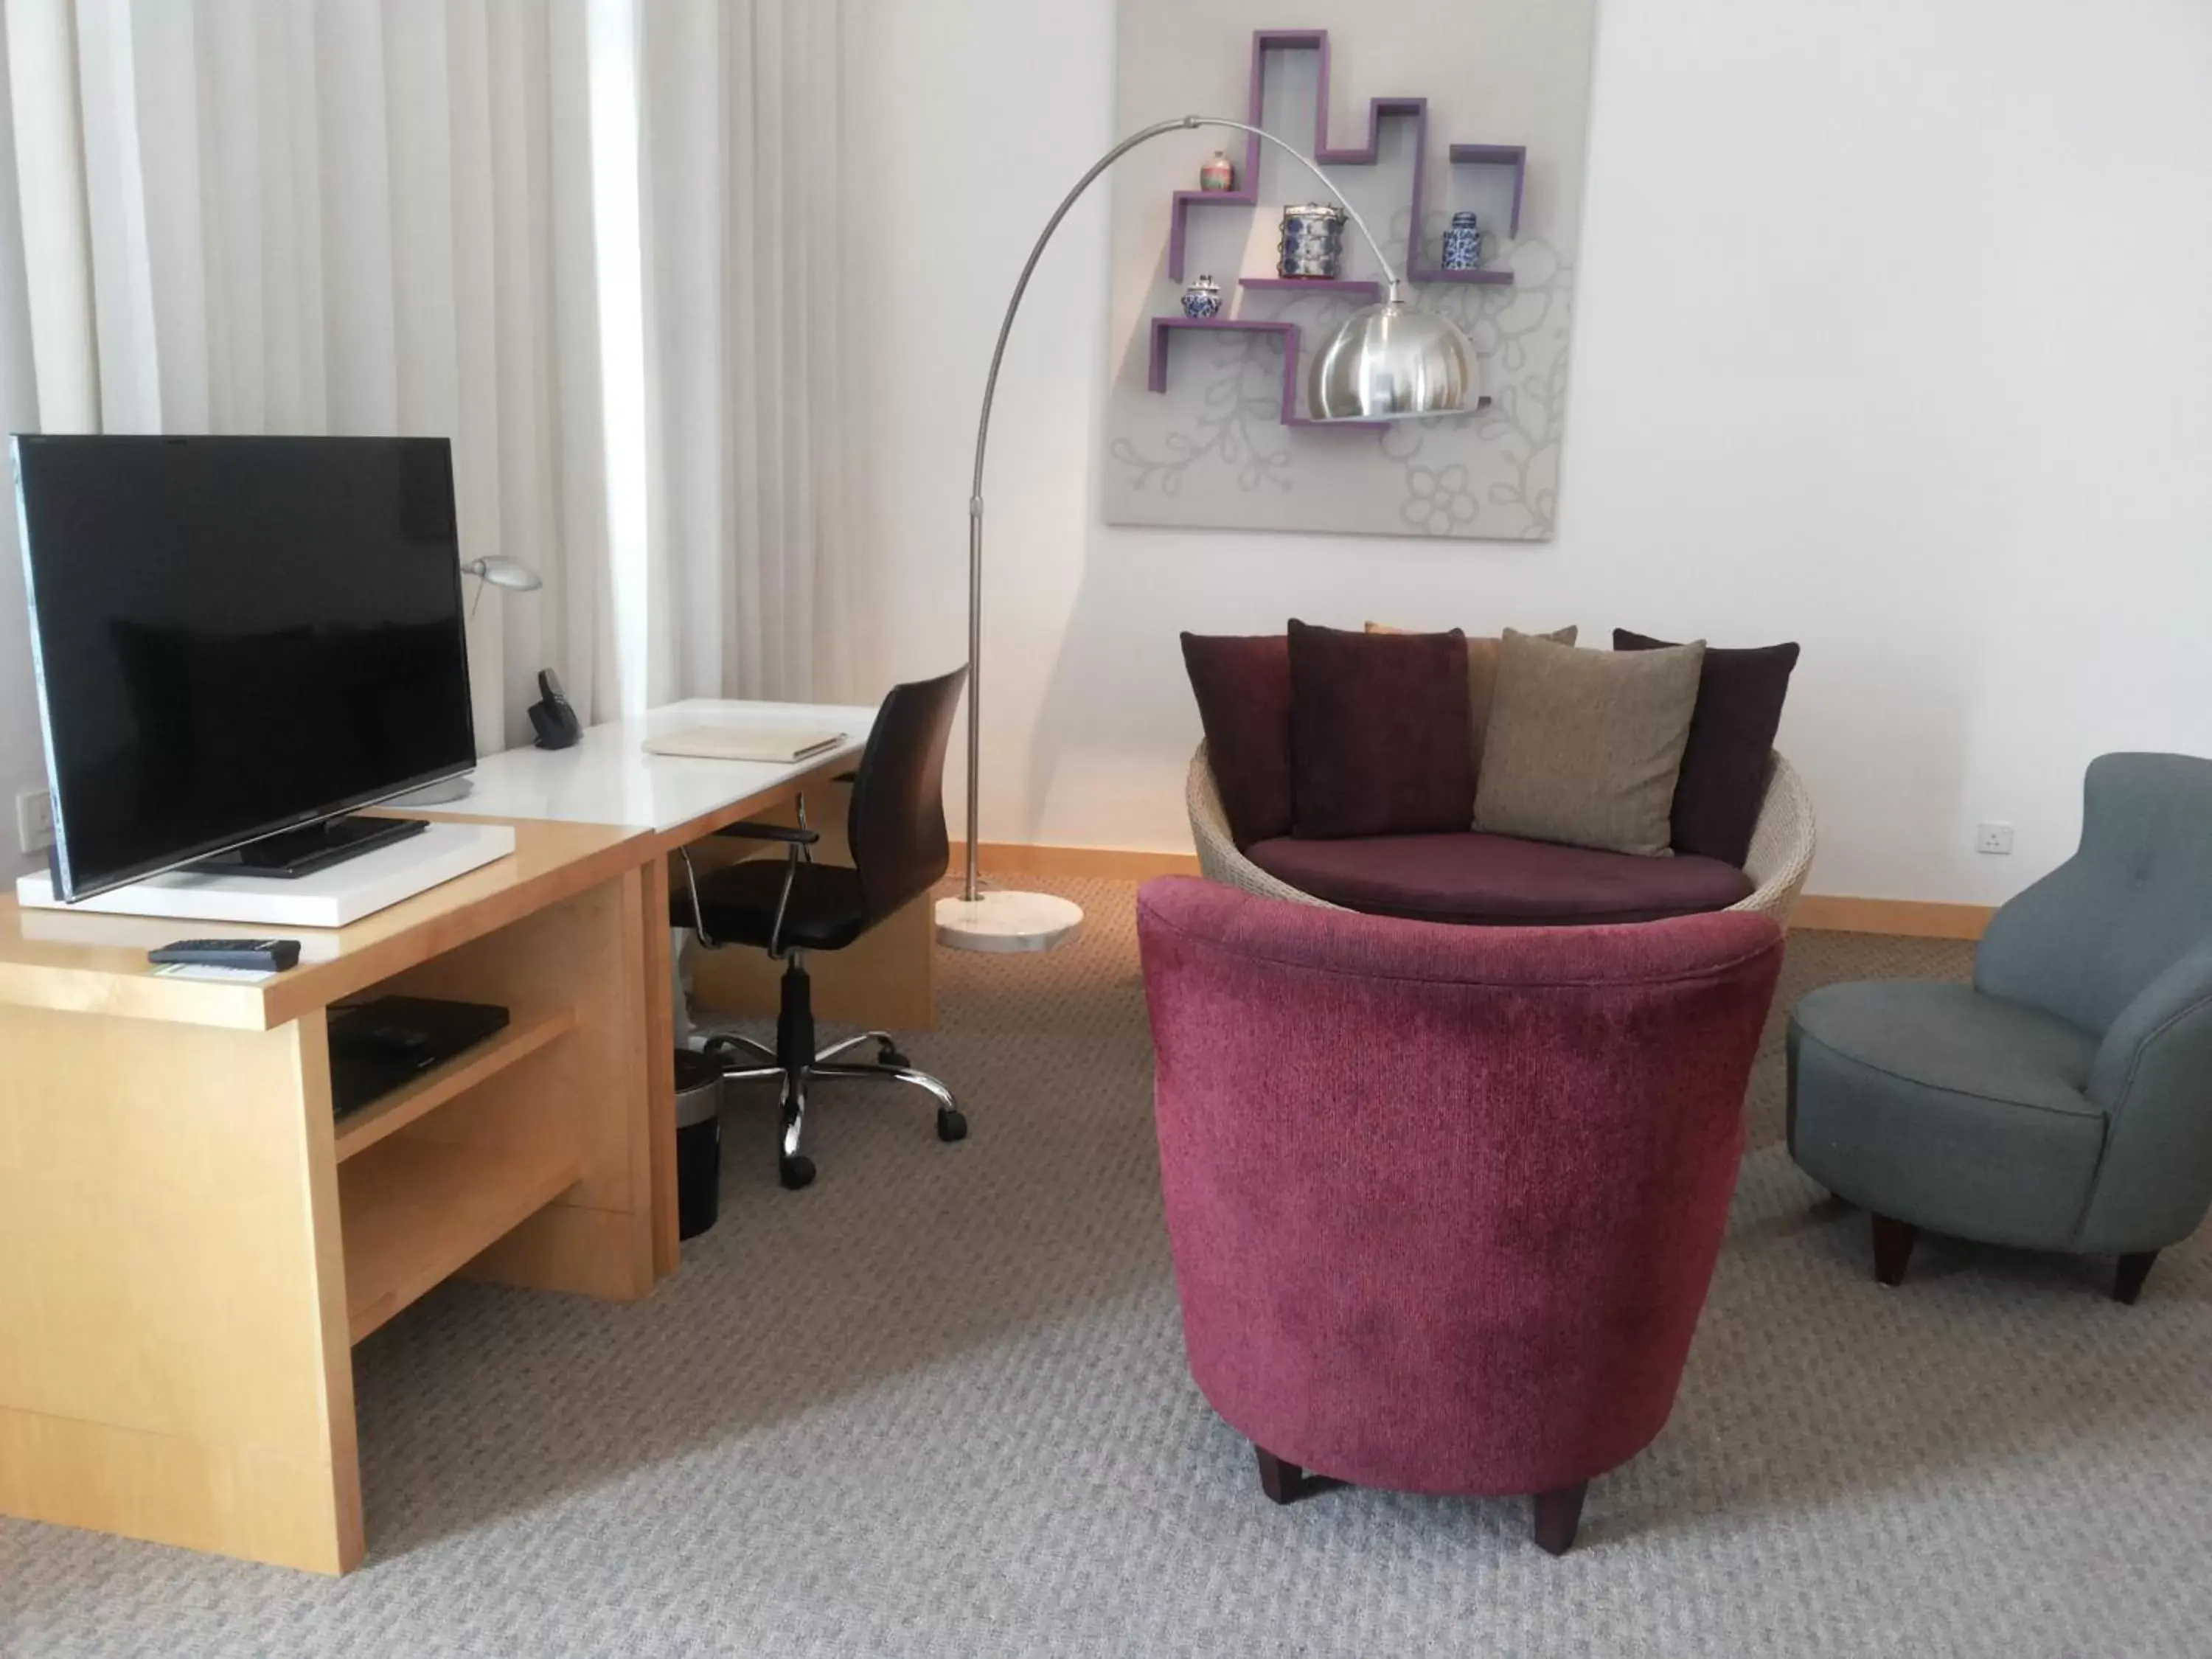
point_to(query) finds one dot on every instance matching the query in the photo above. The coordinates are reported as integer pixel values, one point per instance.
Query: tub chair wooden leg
(1284, 1483)
(1893, 1248)
(2128, 1282)
(1558, 1514)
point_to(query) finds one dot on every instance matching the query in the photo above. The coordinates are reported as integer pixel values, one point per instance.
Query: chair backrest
(1445, 1202)
(2136, 897)
(895, 827)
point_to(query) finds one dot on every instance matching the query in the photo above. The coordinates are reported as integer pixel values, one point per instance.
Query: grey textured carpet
(937, 1406)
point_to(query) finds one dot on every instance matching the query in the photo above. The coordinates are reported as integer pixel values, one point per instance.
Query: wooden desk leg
(660, 1067)
(173, 1358)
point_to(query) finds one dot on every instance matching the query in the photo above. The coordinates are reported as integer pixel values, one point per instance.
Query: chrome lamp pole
(1389, 361)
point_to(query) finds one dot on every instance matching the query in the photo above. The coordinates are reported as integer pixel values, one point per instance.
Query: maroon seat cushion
(1468, 876)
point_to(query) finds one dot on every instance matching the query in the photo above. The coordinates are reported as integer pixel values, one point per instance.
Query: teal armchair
(2063, 1101)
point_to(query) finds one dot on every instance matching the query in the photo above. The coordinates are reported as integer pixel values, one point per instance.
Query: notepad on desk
(779, 745)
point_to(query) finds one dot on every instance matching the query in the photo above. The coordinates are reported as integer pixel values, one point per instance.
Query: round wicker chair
(1780, 844)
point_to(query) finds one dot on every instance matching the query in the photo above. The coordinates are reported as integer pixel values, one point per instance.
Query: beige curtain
(22, 748)
(597, 243)
(354, 216)
(750, 241)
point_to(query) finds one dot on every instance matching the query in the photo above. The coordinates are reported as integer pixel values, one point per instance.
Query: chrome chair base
(793, 1167)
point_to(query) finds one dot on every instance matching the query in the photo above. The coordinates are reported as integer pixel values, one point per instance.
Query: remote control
(271, 956)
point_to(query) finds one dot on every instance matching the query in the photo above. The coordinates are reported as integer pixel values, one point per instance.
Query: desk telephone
(552, 719)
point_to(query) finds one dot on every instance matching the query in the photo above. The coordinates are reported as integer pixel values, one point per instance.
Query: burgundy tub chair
(1445, 1202)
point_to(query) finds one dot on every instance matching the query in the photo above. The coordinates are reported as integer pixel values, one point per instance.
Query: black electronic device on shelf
(380, 1046)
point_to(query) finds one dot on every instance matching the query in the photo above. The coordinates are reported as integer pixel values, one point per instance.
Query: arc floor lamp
(1389, 361)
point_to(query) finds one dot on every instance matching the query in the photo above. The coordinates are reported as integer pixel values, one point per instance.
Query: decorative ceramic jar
(1220, 174)
(1202, 298)
(1313, 241)
(1463, 243)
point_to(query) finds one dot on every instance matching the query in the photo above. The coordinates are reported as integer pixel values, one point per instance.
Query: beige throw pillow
(1481, 675)
(1584, 746)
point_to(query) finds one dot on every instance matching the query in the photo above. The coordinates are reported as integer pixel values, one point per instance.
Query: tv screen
(234, 636)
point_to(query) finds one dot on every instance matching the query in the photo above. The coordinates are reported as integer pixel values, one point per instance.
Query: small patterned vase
(1217, 175)
(1202, 298)
(1463, 243)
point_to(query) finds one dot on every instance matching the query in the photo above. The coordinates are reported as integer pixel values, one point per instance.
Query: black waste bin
(698, 1142)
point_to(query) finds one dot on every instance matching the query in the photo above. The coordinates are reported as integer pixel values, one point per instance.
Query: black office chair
(896, 829)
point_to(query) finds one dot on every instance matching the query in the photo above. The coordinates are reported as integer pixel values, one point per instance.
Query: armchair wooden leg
(2128, 1282)
(1284, 1483)
(1893, 1248)
(1558, 1514)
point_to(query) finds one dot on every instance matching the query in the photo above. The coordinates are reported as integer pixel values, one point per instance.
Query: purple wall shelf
(1371, 292)
(1483, 278)
(1166, 328)
(1507, 156)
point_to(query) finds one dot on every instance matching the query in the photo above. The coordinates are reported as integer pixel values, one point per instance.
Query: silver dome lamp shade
(1391, 361)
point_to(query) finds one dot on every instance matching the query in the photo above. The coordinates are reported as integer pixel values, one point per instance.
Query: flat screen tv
(237, 637)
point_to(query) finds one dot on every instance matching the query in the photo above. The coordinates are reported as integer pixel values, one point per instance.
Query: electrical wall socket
(35, 820)
(1993, 838)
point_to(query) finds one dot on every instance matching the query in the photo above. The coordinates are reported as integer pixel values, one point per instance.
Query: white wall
(1896, 339)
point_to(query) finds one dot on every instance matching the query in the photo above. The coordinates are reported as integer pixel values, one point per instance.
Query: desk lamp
(1389, 361)
(515, 577)
(510, 573)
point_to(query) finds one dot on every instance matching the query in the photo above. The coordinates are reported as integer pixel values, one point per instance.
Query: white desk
(608, 778)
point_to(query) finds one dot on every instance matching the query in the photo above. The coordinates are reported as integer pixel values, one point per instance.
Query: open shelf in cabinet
(523, 1035)
(414, 1211)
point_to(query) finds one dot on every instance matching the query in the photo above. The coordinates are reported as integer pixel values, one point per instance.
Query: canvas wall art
(1458, 128)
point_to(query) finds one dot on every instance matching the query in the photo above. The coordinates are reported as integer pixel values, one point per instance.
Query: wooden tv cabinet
(190, 1246)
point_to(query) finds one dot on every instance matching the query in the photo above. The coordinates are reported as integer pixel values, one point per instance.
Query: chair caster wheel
(951, 1125)
(795, 1172)
(889, 1054)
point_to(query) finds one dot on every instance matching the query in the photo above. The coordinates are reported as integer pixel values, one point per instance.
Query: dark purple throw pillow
(1723, 779)
(1382, 738)
(1242, 683)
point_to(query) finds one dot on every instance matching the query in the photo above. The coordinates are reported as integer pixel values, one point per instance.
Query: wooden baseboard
(999, 858)
(1912, 918)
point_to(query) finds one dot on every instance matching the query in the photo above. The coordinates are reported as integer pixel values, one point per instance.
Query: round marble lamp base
(1006, 922)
